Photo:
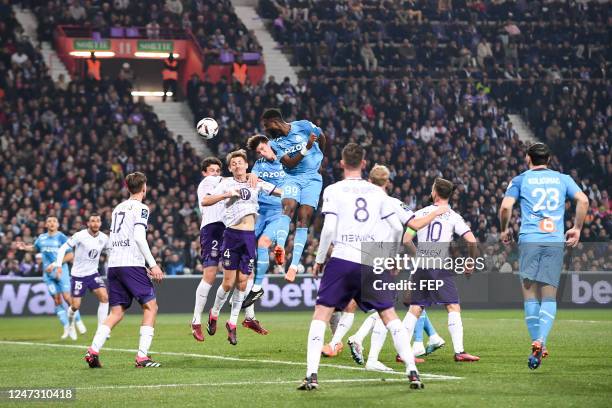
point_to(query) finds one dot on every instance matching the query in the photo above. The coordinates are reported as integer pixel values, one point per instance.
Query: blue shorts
(306, 191)
(57, 286)
(266, 222)
(541, 262)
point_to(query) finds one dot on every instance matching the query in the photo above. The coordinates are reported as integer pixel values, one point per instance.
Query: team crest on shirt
(93, 254)
(245, 193)
(144, 213)
(298, 138)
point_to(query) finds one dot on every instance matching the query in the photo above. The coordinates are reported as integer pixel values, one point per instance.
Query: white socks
(249, 312)
(256, 288)
(219, 301)
(409, 323)
(100, 337)
(379, 334)
(200, 301)
(401, 341)
(455, 327)
(146, 337)
(102, 313)
(344, 325)
(316, 334)
(365, 327)
(237, 299)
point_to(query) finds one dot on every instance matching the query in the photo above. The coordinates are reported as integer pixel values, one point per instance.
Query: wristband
(304, 151)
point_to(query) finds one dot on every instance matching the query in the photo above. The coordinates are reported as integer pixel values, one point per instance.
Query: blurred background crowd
(426, 86)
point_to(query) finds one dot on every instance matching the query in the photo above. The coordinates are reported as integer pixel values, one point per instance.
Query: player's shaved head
(443, 188)
(352, 156)
(539, 154)
(210, 161)
(272, 114)
(379, 175)
(135, 182)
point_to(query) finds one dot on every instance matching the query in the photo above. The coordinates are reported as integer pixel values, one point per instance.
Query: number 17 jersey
(126, 217)
(542, 194)
(360, 207)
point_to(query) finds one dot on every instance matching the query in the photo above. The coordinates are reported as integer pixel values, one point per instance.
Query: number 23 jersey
(542, 194)
(361, 209)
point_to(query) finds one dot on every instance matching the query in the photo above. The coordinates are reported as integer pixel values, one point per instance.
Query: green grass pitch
(263, 371)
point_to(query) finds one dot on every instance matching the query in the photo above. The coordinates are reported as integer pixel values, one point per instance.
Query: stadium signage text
(91, 45)
(155, 46)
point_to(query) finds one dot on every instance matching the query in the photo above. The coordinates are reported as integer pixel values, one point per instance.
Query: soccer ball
(207, 128)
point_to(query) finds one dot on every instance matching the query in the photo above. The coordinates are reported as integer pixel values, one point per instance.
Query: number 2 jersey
(362, 210)
(124, 250)
(542, 194)
(212, 213)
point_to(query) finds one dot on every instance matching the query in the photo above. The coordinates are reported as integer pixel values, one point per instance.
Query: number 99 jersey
(542, 194)
(361, 209)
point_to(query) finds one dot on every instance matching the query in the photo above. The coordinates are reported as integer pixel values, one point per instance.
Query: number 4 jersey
(124, 250)
(542, 194)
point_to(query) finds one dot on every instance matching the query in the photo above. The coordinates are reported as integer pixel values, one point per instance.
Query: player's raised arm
(219, 194)
(418, 223)
(61, 253)
(291, 162)
(22, 246)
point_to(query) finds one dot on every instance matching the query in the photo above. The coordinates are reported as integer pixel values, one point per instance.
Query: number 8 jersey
(542, 194)
(361, 209)
(124, 250)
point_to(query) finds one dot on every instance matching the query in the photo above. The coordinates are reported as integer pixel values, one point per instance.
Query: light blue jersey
(270, 207)
(272, 172)
(293, 142)
(303, 183)
(48, 245)
(542, 194)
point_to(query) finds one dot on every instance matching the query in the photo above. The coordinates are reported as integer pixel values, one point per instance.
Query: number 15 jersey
(542, 194)
(361, 208)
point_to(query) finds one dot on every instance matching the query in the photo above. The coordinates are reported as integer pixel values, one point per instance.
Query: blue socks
(429, 329)
(282, 231)
(418, 328)
(263, 261)
(301, 235)
(548, 311)
(61, 315)
(532, 318)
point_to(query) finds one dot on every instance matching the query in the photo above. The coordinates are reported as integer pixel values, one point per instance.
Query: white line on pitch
(556, 321)
(213, 357)
(276, 382)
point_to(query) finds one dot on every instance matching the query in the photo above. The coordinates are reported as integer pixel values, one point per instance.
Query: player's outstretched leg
(435, 341)
(250, 322)
(143, 360)
(237, 298)
(355, 342)
(315, 344)
(213, 314)
(102, 333)
(418, 348)
(379, 334)
(208, 278)
(455, 328)
(335, 347)
(262, 265)
(401, 340)
(282, 233)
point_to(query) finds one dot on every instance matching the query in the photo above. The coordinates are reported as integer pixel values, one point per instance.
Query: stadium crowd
(420, 125)
(214, 24)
